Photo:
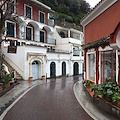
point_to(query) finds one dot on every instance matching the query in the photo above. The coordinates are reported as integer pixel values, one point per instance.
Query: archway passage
(63, 69)
(52, 70)
(75, 68)
(35, 69)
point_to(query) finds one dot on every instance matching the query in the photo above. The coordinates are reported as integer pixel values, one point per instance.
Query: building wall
(29, 49)
(22, 63)
(103, 25)
(20, 10)
(17, 60)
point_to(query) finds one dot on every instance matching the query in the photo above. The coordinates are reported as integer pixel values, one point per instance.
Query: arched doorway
(75, 68)
(52, 70)
(35, 69)
(63, 69)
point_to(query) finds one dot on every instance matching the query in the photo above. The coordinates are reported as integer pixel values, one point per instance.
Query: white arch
(48, 29)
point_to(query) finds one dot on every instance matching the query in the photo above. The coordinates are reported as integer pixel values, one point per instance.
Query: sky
(93, 2)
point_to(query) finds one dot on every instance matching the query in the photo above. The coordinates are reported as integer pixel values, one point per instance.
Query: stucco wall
(33, 49)
(20, 10)
(16, 60)
(103, 25)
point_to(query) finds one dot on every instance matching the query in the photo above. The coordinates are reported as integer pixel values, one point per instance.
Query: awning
(101, 42)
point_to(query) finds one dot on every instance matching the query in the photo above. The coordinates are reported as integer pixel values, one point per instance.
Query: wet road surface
(53, 100)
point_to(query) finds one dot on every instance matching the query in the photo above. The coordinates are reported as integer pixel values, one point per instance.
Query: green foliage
(6, 78)
(116, 97)
(87, 82)
(109, 90)
(61, 17)
(73, 8)
(4, 30)
(63, 9)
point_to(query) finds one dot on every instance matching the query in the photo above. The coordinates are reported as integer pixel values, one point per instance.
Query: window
(42, 36)
(42, 17)
(11, 6)
(76, 51)
(10, 29)
(108, 66)
(28, 11)
(82, 53)
(12, 43)
(28, 33)
(91, 70)
(62, 34)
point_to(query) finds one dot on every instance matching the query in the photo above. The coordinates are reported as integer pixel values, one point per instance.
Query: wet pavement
(53, 100)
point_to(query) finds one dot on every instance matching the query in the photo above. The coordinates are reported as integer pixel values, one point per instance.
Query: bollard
(46, 77)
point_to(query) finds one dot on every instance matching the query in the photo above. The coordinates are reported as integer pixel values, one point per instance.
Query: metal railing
(51, 41)
(76, 53)
(57, 50)
(35, 38)
(50, 22)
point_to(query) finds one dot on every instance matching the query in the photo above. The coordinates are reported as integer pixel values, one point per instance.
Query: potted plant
(5, 80)
(30, 78)
(43, 77)
(87, 83)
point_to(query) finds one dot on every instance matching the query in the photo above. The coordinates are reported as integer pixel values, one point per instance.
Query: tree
(6, 12)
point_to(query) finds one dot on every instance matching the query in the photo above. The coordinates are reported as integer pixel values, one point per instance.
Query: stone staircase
(10, 69)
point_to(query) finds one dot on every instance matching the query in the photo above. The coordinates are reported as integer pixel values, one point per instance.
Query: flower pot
(30, 78)
(43, 77)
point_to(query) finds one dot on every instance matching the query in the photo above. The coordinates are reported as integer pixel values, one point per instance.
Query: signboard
(12, 49)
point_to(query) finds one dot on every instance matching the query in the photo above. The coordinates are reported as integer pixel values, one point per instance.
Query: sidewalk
(8, 98)
(88, 105)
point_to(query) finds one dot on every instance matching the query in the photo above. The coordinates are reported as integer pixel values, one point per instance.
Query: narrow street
(53, 100)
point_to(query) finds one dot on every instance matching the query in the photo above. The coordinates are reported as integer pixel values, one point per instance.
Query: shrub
(6, 78)
(87, 83)
(109, 90)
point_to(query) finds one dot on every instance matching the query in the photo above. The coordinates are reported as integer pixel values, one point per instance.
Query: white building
(41, 48)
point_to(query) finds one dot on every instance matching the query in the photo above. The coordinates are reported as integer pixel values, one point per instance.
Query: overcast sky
(93, 2)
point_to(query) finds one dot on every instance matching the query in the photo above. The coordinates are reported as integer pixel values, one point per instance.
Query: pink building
(102, 42)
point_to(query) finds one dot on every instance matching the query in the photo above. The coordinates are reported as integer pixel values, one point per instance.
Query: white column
(68, 33)
(22, 30)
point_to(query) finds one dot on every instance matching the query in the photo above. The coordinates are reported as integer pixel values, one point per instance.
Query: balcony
(51, 41)
(53, 50)
(37, 38)
(76, 53)
(50, 22)
(48, 41)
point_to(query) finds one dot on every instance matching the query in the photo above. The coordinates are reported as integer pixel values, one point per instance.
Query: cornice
(96, 11)
(47, 8)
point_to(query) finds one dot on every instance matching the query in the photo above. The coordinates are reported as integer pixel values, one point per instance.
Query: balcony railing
(76, 53)
(36, 38)
(57, 50)
(51, 41)
(50, 22)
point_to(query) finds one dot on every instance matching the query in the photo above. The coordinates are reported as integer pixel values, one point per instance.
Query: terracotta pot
(31, 78)
(43, 77)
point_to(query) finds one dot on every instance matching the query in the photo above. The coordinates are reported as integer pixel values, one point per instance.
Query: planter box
(6, 89)
(104, 105)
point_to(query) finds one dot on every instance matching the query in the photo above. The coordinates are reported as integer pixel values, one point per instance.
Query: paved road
(54, 100)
